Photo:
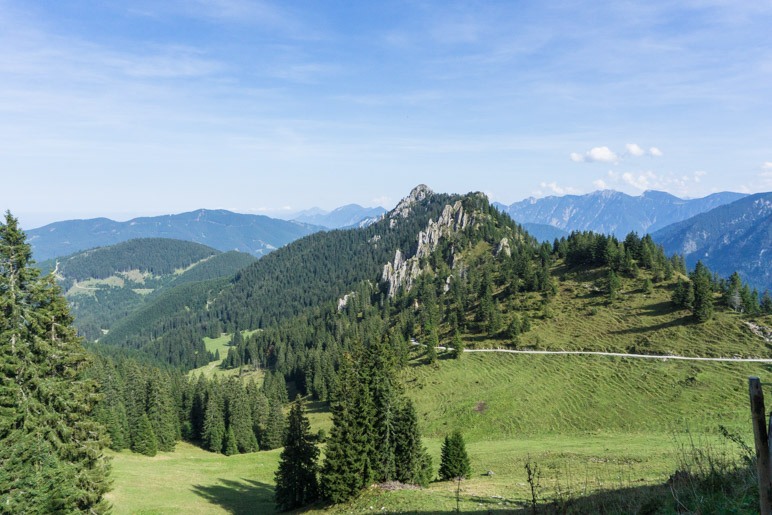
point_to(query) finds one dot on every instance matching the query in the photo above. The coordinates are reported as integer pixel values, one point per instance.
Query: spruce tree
(273, 436)
(412, 462)
(296, 479)
(213, 435)
(766, 303)
(161, 411)
(144, 441)
(703, 293)
(51, 457)
(455, 461)
(230, 446)
(457, 344)
(240, 417)
(344, 463)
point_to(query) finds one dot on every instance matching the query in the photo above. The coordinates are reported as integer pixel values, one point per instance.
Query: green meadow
(594, 428)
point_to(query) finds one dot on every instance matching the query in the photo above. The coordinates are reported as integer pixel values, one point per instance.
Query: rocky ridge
(403, 272)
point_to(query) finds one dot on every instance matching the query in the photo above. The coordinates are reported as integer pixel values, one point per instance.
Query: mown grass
(601, 430)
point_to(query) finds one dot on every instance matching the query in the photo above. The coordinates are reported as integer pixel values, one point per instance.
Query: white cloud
(553, 187)
(606, 155)
(634, 149)
(600, 184)
(767, 166)
(595, 155)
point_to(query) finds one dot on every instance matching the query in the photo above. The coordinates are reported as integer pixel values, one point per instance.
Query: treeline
(148, 409)
(697, 293)
(625, 257)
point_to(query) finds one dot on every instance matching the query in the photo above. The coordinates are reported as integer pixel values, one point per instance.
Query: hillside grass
(212, 369)
(601, 430)
(581, 317)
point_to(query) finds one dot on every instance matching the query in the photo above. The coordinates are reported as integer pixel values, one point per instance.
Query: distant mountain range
(351, 215)
(613, 212)
(733, 237)
(219, 229)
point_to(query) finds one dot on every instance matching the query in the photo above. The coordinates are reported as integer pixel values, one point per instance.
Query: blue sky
(144, 107)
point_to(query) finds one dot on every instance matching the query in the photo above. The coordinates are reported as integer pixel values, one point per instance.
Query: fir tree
(613, 285)
(51, 456)
(413, 465)
(455, 461)
(296, 478)
(344, 463)
(703, 293)
(766, 303)
(144, 441)
(240, 417)
(457, 344)
(230, 447)
(161, 412)
(213, 435)
(273, 436)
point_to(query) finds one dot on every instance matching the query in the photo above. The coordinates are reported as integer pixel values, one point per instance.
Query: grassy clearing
(606, 430)
(212, 368)
(193, 481)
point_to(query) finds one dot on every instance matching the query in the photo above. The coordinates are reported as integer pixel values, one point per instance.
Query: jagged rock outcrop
(402, 273)
(418, 194)
(504, 247)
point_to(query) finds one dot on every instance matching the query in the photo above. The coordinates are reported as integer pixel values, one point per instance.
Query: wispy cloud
(608, 156)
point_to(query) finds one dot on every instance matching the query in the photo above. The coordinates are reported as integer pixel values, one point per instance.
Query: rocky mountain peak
(418, 194)
(402, 273)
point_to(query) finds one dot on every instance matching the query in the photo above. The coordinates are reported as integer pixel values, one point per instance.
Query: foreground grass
(593, 426)
(190, 480)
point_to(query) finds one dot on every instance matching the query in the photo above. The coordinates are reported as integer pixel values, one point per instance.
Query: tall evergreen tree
(273, 436)
(240, 417)
(703, 293)
(455, 461)
(344, 464)
(144, 441)
(413, 465)
(296, 479)
(214, 432)
(51, 457)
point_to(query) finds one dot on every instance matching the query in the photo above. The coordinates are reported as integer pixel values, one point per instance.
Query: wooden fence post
(761, 436)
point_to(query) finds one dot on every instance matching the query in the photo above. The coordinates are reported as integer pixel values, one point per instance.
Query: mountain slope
(733, 237)
(106, 284)
(219, 229)
(345, 216)
(613, 212)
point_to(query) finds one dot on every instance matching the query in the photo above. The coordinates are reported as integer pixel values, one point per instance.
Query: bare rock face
(402, 210)
(504, 247)
(402, 273)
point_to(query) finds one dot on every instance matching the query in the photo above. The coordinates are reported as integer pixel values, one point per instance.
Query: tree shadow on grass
(239, 497)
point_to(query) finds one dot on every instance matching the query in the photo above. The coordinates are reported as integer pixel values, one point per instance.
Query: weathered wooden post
(761, 433)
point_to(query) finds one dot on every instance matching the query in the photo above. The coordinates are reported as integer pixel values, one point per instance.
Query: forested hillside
(441, 269)
(107, 284)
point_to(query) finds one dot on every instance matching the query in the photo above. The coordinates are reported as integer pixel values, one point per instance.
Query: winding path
(613, 354)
